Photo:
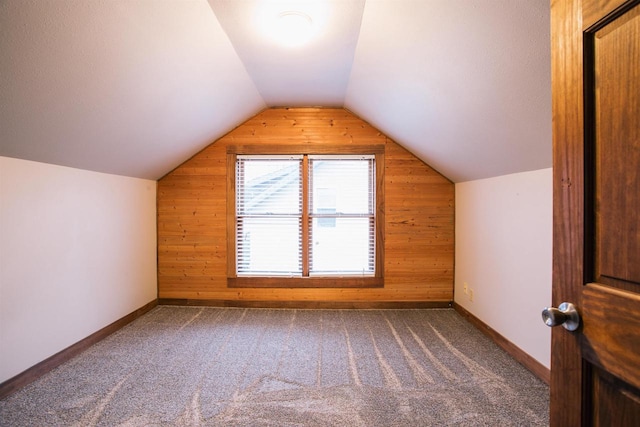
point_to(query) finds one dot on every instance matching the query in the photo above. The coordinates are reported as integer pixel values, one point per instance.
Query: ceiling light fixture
(293, 28)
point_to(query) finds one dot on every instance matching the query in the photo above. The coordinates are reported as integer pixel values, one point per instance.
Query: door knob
(565, 315)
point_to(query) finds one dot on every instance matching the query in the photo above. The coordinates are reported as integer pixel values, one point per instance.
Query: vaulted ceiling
(135, 87)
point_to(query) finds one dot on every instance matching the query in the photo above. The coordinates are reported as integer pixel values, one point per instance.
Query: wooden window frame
(375, 281)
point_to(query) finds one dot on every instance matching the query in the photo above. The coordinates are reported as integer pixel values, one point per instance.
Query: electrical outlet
(471, 295)
(466, 288)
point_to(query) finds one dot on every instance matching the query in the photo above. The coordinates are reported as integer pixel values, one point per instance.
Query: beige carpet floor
(192, 366)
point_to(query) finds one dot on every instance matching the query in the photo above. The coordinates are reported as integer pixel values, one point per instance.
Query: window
(309, 220)
(342, 215)
(268, 216)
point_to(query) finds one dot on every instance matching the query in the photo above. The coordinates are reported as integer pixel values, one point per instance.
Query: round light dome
(293, 28)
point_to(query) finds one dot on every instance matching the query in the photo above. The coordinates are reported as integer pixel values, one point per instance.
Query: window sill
(305, 282)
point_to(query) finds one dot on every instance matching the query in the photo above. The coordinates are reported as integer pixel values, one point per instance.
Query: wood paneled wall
(419, 217)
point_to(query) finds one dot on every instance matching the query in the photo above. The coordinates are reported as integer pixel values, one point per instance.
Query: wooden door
(595, 371)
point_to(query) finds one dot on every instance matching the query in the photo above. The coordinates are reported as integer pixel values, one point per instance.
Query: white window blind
(342, 215)
(268, 215)
(339, 218)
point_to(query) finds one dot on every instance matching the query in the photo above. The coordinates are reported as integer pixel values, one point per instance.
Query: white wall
(503, 252)
(77, 252)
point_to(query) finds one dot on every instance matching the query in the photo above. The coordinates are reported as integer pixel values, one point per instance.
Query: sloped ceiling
(136, 87)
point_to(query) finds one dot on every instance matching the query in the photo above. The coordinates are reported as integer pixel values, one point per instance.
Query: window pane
(346, 248)
(268, 186)
(269, 211)
(269, 246)
(342, 186)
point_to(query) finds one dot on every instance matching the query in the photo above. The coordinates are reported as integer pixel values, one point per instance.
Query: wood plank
(568, 212)
(417, 210)
(280, 148)
(612, 330)
(327, 305)
(593, 10)
(305, 282)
